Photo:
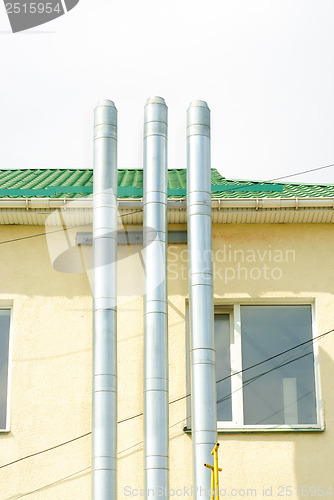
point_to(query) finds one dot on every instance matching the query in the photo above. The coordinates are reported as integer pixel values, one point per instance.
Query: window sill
(262, 430)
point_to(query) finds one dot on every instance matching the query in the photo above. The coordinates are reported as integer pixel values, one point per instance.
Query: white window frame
(8, 306)
(236, 360)
(237, 424)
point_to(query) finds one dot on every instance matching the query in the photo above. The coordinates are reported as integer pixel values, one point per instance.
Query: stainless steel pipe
(203, 379)
(156, 422)
(105, 290)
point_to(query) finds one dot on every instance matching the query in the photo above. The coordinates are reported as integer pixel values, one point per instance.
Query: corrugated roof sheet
(71, 183)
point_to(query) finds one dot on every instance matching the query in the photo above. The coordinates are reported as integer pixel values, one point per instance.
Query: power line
(252, 183)
(43, 451)
(141, 442)
(259, 363)
(229, 395)
(130, 213)
(50, 484)
(232, 188)
(276, 355)
(61, 230)
(286, 362)
(261, 375)
(283, 363)
(130, 447)
(220, 380)
(142, 413)
(188, 395)
(288, 406)
(130, 418)
(290, 360)
(304, 172)
(39, 234)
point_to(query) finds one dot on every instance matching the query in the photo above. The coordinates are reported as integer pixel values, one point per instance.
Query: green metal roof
(67, 183)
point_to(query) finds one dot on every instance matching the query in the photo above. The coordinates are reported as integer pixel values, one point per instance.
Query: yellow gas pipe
(214, 473)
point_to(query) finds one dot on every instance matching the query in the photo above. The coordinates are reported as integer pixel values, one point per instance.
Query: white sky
(265, 67)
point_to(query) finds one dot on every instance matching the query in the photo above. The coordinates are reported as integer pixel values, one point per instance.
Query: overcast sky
(266, 69)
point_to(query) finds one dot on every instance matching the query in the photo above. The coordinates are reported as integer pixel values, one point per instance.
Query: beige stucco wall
(51, 364)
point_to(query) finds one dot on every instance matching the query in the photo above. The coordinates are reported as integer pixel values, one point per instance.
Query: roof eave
(40, 211)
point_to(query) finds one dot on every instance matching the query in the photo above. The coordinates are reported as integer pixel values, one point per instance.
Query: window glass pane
(223, 367)
(4, 345)
(279, 391)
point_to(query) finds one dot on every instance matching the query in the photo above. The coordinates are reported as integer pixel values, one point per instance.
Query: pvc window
(266, 367)
(4, 368)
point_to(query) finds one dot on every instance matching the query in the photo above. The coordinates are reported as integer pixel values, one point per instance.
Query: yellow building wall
(50, 386)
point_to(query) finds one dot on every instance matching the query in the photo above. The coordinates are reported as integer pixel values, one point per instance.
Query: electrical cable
(262, 374)
(50, 484)
(259, 363)
(252, 183)
(303, 172)
(291, 361)
(187, 395)
(233, 188)
(61, 230)
(43, 451)
(241, 371)
(276, 355)
(286, 362)
(281, 409)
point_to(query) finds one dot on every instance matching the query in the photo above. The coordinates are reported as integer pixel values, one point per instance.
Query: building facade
(273, 300)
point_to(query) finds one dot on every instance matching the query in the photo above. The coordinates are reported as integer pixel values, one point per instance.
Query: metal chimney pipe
(203, 379)
(156, 421)
(104, 337)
